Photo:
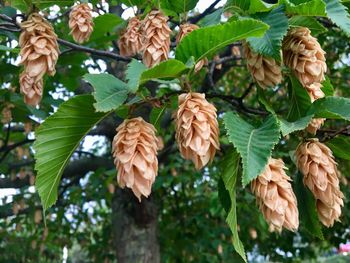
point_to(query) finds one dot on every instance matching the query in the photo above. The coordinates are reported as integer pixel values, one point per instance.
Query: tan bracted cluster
(303, 54)
(314, 125)
(184, 30)
(197, 130)
(80, 22)
(135, 155)
(266, 71)
(39, 54)
(275, 197)
(315, 161)
(156, 38)
(130, 41)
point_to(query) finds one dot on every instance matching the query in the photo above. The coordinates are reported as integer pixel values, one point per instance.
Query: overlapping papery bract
(197, 130)
(80, 22)
(156, 38)
(316, 162)
(135, 155)
(266, 71)
(39, 54)
(315, 92)
(275, 196)
(130, 41)
(184, 30)
(303, 54)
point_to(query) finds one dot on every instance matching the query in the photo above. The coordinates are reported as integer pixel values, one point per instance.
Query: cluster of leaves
(254, 137)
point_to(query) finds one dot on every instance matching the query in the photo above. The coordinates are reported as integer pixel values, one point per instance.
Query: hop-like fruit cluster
(314, 125)
(130, 42)
(275, 196)
(156, 38)
(39, 54)
(315, 161)
(197, 131)
(135, 156)
(80, 22)
(265, 71)
(184, 30)
(303, 54)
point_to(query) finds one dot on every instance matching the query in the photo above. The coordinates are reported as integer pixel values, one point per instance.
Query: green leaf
(168, 69)
(307, 8)
(340, 147)
(230, 167)
(289, 127)
(331, 108)
(178, 6)
(47, 3)
(327, 87)
(260, 6)
(156, 115)
(309, 22)
(22, 5)
(307, 208)
(299, 100)
(110, 92)
(204, 42)
(57, 138)
(104, 24)
(270, 44)
(236, 5)
(211, 19)
(133, 74)
(12, 50)
(339, 14)
(253, 144)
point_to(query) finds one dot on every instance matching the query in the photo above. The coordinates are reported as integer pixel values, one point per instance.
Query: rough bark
(134, 228)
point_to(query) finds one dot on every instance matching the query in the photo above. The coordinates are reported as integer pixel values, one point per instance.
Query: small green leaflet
(133, 74)
(56, 140)
(289, 127)
(230, 167)
(254, 144)
(110, 92)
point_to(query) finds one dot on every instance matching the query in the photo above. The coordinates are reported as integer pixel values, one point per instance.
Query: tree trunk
(134, 228)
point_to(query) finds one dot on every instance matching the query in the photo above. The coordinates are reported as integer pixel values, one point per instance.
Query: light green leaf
(133, 74)
(327, 87)
(230, 167)
(168, 69)
(104, 24)
(340, 147)
(110, 92)
(211, 19)
(22, 5)
(309, 22)
(178, 6)
(299, 100)
(47, 3)
(270, 44)
(307, 8)
(57, 138)
(236, 5)
(289, 127)
(260, 6)
(307, 208)
(204, 42)
(253, 144)
(339, 14)
(331, 108)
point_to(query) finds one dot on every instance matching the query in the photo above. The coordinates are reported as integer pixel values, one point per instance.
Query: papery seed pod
(267, 72)
(130, 41)
(39, 54)
(156, 38)
(6, 113)
(315, 91)
(316, 162)
(184, 30)
(197, 129)
(111, 188)
(27, 127)
(80, 22)
(303, 54)
(314, 125)
(135, 156)
(275, 196)
(38, 216)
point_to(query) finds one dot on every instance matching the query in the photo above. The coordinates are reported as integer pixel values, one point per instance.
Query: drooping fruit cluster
(184, 30)
(197, 131)
(275, 197)
(135, 156)
(266, 71)
(315, 160)
(80, 22)
(39, 54)
(130, 41)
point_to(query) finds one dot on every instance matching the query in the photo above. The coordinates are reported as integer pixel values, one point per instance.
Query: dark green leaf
(309, 22)
(289, 127)
(104, 24)
(340, 147)
(204, 42)
(299, 100)
(253, 144)
(307, 8)
(57, 138)
(133, 74)
(331, 108)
